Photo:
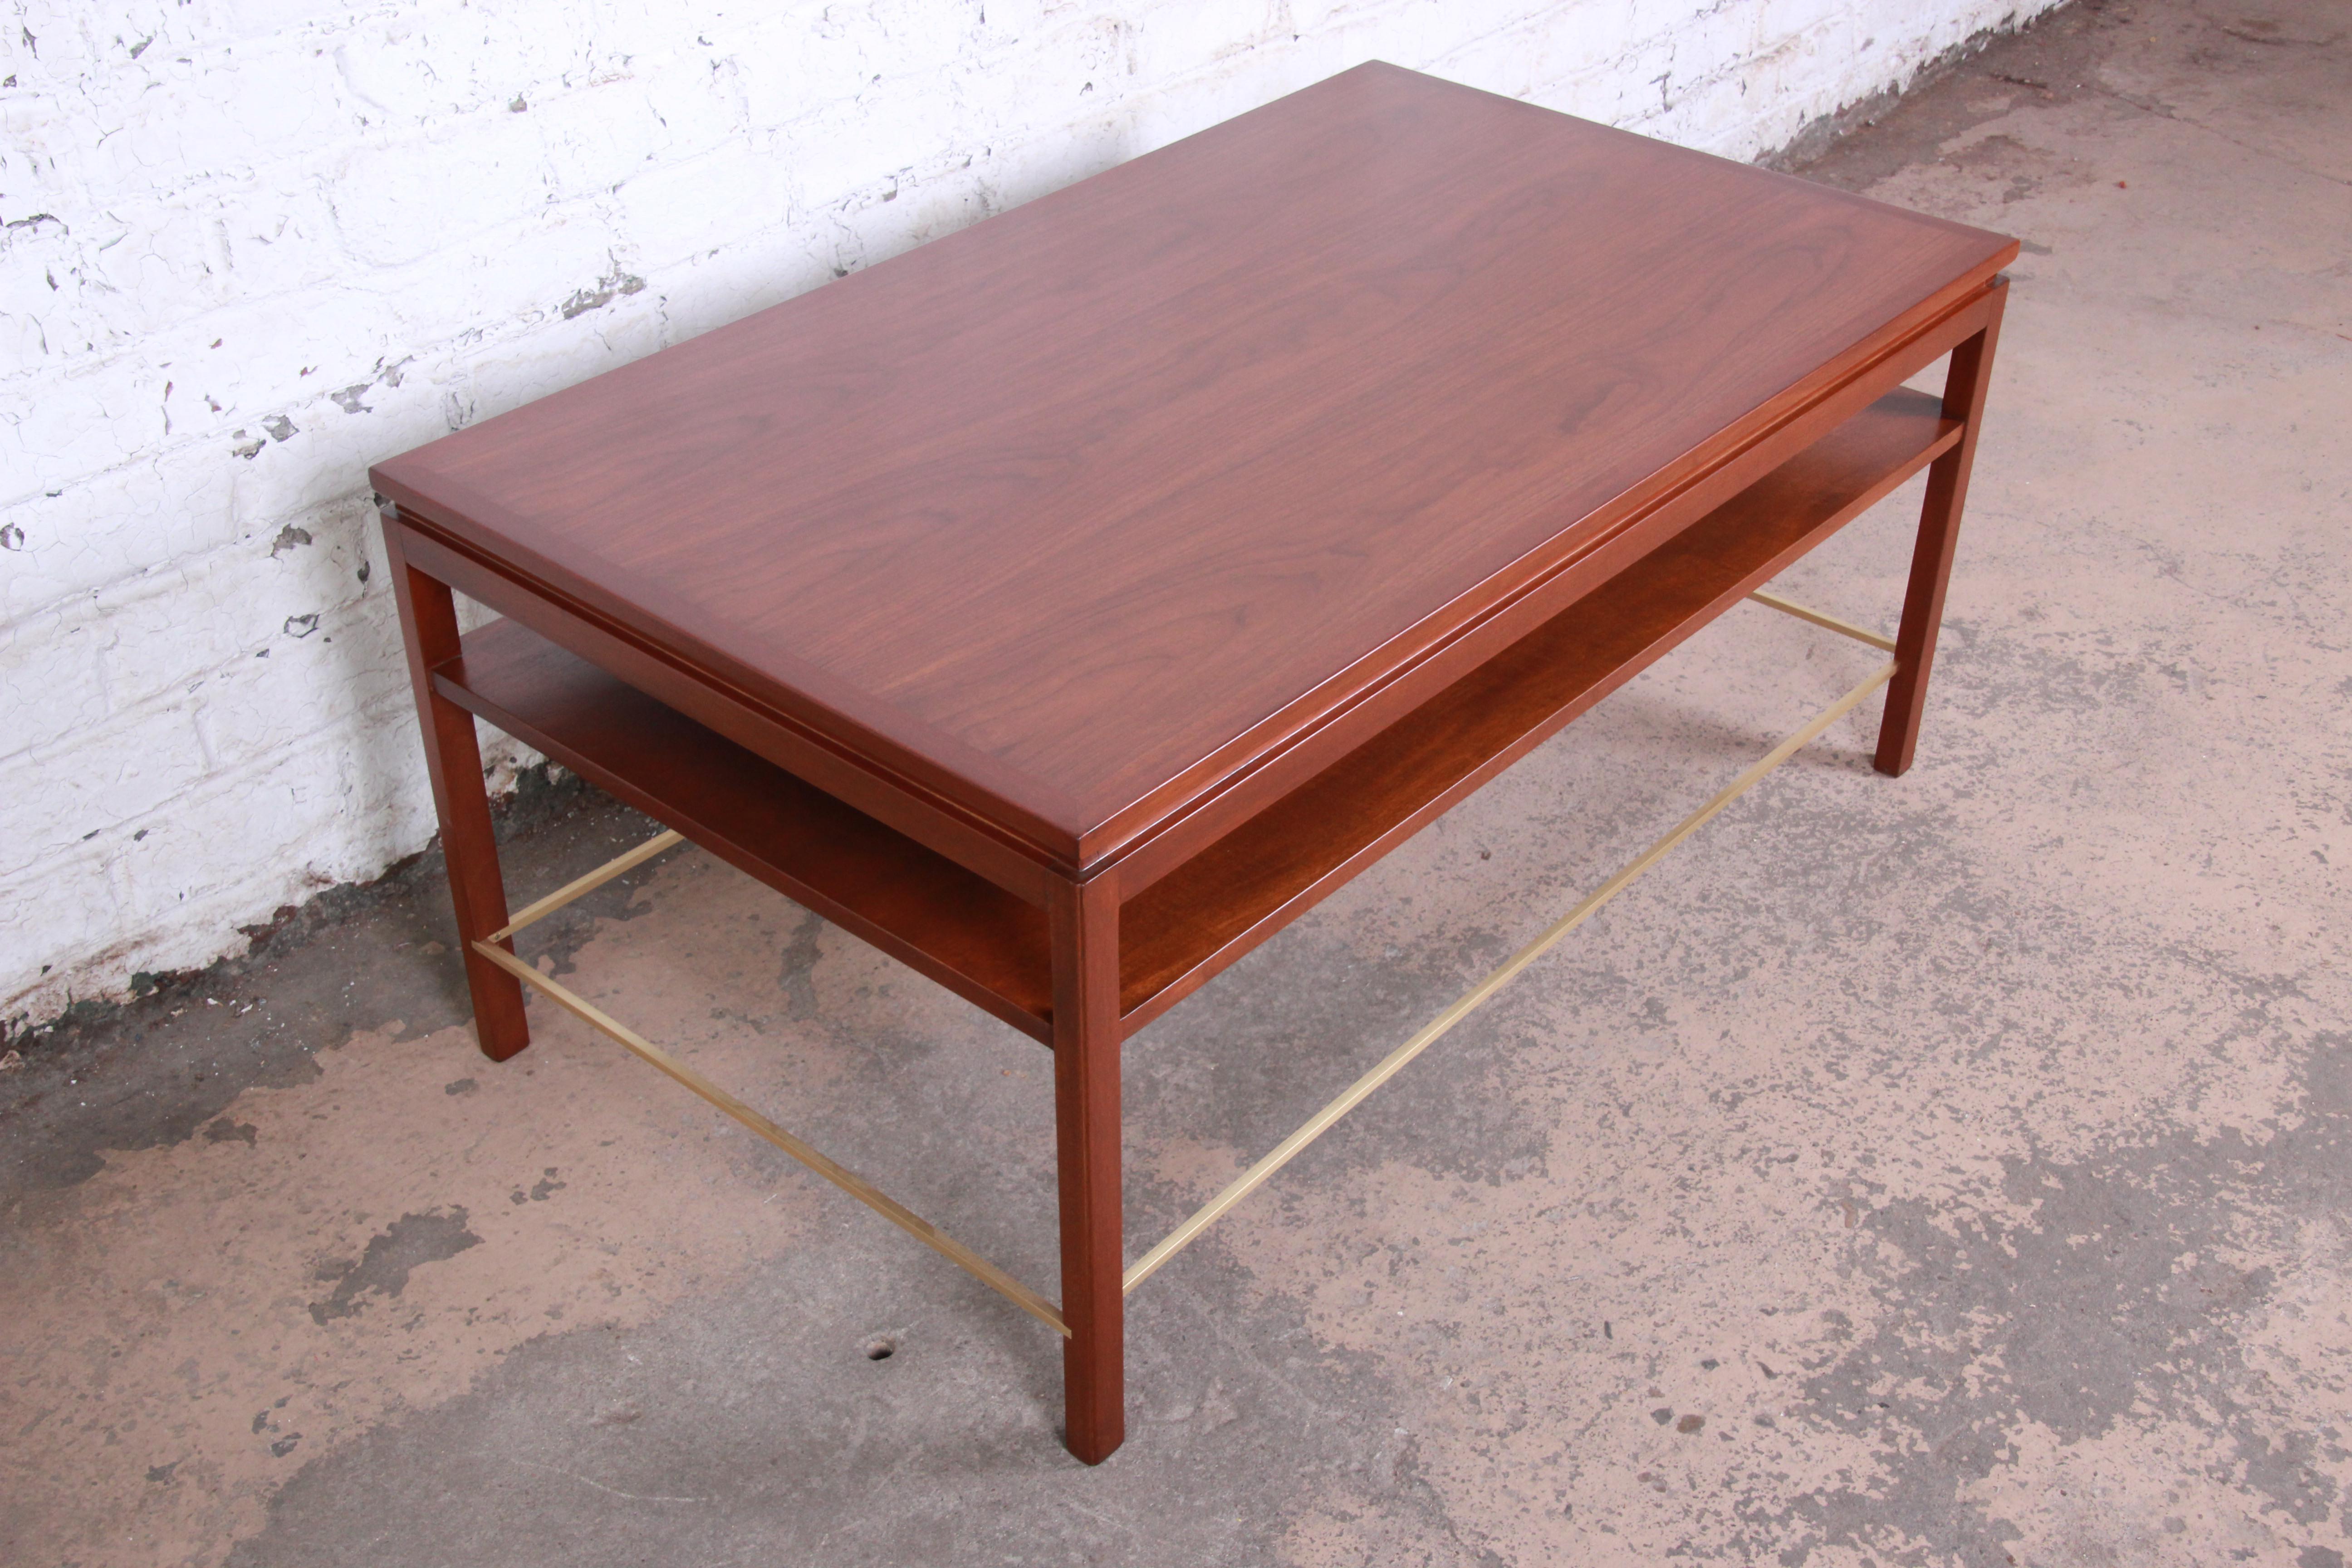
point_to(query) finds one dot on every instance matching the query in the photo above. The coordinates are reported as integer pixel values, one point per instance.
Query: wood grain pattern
(992, 947)
(1077, 513)
(1085, 923)
(1185, 928)
(453, 762)
(1288, 767)
(922, 816)
(920, 906)
(1965, 385)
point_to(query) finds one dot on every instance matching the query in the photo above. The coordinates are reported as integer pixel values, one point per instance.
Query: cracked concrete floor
(1943, 1170)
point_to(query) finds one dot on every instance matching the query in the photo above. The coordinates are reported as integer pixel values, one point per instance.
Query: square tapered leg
(1086, 1037)
(1939, 534)
(453, 758)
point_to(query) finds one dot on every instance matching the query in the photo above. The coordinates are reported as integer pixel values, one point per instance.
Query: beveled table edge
(979, 826)
(1161, 831)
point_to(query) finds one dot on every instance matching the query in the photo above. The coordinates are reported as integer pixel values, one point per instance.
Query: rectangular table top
(1082, 510)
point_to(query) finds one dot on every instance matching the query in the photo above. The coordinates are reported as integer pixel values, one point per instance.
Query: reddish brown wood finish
(452, 760)
(925, 817)
(1184, 929)
(1073, 516)
(1068, 604)
(1279, 771)
(992, 947)
(922, 907)
(1087, 1036)
(1939, 535)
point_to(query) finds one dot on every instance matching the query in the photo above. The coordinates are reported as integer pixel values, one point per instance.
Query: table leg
(453, 759)
(1086, 1035)
(1939, 534)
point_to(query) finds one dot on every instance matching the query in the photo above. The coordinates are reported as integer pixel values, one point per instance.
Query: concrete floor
(1944, 1171)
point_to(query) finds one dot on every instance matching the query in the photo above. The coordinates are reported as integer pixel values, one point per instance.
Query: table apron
(934, 823)
(1028, 872)
(1176, 841)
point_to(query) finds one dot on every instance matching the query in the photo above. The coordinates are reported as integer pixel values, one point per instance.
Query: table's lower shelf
(988, 946)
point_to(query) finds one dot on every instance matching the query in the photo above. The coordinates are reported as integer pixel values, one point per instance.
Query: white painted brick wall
(253, 246)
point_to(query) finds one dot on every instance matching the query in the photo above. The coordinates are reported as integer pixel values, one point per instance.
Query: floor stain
(409, 1243)
(1949, 1171)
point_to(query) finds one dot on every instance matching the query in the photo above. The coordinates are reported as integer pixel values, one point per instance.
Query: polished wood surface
(915, 904)
(453, 762)
(1072, 518)
(1186, 926)
(927, 818)
(1068, 605)
(992, 947)
(1085, 925)
(1965, 385)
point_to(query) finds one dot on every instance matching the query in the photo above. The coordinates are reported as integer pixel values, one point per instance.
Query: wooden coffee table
(1066, 605)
